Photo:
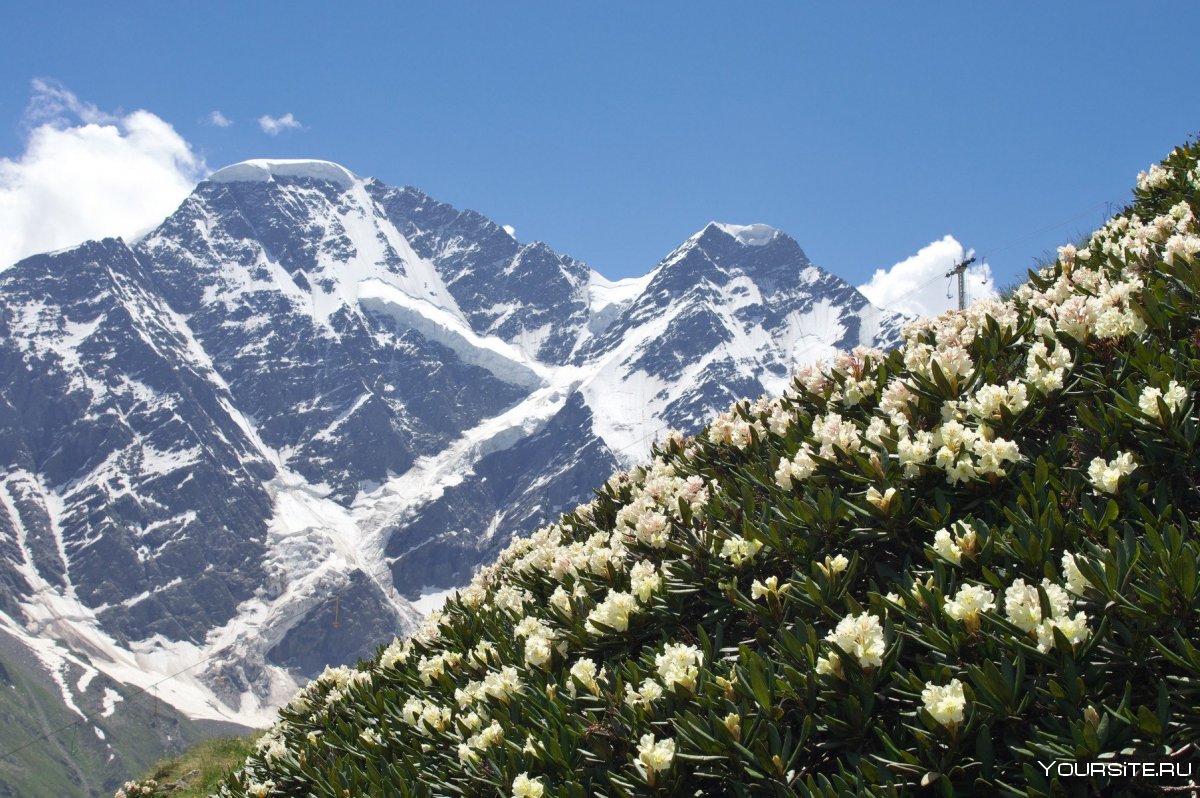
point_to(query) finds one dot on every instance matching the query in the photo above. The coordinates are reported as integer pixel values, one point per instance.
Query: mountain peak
(262, 170)
(751, 235)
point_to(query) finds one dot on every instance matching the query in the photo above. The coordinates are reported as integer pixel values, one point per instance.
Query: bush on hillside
(935, 567)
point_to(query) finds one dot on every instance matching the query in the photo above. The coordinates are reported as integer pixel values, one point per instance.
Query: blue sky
(615, 130)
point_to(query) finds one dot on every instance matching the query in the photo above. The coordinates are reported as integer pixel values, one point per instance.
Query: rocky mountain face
(251, 438)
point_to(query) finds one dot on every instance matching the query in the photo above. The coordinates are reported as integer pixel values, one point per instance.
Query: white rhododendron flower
(1045, 369)
(969, 602)
(394, 655)
(731, 429)
(511, 598)
(613, 612)
(738, 550)
(914, 451)
(860, 636)
(645, 580)
(798, 469)
(835, 436)
(1156, 178)
(988, 400)
(502, 684)
(679, 665)
(643, 696)
(1023, 607)
(654, 755)
(259, 789)
(829, 665)
(562, 600)
(1173, 397)
(539, 649)
(585, 672)
(525, 787)
(950, 544)
(1076, 582)
(881, 500)
(946, 703)
(1074, 628)
(1106, 475)
(768, 587)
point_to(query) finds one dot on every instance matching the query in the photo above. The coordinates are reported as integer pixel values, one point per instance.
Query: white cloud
(919, 286)
(218, 119)
(86, 174)
(274, 125)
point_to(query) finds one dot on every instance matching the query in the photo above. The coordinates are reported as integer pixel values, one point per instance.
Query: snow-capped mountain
(249, 439)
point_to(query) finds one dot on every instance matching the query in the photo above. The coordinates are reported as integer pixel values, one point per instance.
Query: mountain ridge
(375, 371)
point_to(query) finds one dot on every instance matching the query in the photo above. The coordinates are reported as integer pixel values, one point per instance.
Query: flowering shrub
(934, 567)
(145, 788)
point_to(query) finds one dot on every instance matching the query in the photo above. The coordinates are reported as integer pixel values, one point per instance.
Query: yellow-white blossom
(860, 636)
(835, 436)
(503, 683)
(525, 787)
(1173, 397)
(1106, 475)
(881, 500)
(679, 665)
(1076, 582)
(738, 550)
(797, 469)
(654, 755)
(946, 703)
(644, 580)
(969, 602)
(950, 544)
(613, 612)
(767, 587)
(584, 671)
(394, 655)
(643, 696)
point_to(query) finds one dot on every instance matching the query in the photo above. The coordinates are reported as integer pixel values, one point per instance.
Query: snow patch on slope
(607, 298)
(386, 508)
(505, 361)
(752, 235)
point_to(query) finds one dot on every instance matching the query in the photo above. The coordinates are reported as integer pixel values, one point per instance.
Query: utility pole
(961, 270)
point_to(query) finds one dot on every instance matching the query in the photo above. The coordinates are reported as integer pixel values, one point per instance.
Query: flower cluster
(860, 636)
(1106, 474)
(147, 788)
(952, 544)
(945, 703)
(1023, 607)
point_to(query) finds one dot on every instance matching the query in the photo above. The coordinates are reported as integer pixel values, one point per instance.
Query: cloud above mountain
(919, 285)
(88, 173)
(274, 125)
